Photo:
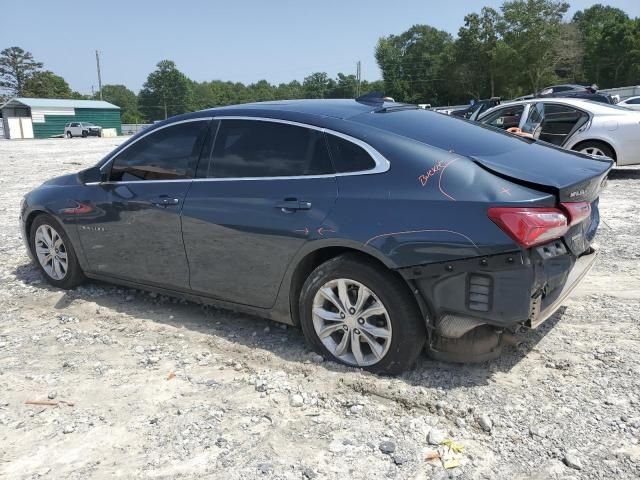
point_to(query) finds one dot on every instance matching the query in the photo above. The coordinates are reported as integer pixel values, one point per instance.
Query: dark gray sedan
(377, 227)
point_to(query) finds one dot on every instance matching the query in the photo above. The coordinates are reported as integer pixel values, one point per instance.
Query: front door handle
(165, 201)
(289, 205)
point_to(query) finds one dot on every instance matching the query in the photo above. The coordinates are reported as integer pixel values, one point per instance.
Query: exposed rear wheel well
(578, 146)
(315, 259)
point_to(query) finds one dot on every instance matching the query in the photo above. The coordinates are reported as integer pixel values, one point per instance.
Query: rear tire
(54, 253)
(598, 149)
(69, 135)
(366, 316)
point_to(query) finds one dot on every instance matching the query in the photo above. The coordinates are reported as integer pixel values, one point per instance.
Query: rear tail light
(529, 227)
(578, 211)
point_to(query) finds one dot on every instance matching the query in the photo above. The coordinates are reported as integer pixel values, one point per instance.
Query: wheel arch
(579, 144)
(310, 260)
(31, 216)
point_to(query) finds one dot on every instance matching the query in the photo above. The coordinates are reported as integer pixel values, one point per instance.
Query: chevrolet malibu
(376, 227)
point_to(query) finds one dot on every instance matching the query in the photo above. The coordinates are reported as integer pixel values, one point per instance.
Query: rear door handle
(289, 205)
(165, 201)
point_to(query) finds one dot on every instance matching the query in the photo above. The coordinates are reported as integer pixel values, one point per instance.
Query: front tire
(54, 254)
(359, 314)
(84, 134)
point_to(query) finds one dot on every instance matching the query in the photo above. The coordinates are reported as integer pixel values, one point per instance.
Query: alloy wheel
(351, 322)
(51, 252)
(594, 151)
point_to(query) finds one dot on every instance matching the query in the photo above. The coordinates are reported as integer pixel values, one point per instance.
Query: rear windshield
(443, 131)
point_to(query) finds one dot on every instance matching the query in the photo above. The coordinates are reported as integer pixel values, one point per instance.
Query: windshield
(88, 124)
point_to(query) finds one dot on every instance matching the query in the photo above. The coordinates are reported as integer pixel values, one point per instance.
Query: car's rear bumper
(506, 290)
(576, 274)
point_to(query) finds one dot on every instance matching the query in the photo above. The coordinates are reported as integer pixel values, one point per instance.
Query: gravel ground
(163, 388)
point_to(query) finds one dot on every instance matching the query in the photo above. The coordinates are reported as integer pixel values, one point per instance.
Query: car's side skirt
(192, 297)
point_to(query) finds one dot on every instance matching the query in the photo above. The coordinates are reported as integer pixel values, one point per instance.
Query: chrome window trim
(113, 156)
(382, 165)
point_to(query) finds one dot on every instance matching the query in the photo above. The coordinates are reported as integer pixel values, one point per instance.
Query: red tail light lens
(578, 211)
(530, 226)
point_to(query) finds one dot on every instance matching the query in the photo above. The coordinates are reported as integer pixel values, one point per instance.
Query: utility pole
(99, 76)
(164, 100)
(358, 77)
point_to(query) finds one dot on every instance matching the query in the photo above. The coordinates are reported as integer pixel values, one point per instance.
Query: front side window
(75, 124)
(170, 153)
(505, 118)
(347, 156)
(256, 148)
(634, 101)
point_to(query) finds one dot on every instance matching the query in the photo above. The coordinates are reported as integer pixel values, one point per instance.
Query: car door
(268, 187)
(76, 129)
(506, 117)
(134, 231)
(554, 123)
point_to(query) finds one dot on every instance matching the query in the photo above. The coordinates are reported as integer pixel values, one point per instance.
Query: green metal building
(46, 117)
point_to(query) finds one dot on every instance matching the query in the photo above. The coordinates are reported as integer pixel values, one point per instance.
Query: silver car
(632, 103)
(589, 127)
(81, 129)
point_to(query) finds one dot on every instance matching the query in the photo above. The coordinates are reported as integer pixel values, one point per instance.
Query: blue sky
(239, 40)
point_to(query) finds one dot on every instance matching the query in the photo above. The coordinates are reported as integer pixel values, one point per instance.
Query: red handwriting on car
(424, 178)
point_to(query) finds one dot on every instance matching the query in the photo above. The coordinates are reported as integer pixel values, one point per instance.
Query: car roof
(337, 108)
(582, 103)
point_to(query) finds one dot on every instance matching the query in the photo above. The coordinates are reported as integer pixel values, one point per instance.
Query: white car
(632, 102)
(81, 129)
(588, 127)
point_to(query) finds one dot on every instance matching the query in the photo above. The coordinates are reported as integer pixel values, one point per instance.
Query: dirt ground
(163, 388)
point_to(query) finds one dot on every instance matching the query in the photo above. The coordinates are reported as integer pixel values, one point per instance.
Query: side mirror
(93, 175)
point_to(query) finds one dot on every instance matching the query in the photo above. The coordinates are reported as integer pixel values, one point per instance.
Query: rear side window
(634, 101)
(170, 153)
(347, 156)
(256, 148)
(505, 118)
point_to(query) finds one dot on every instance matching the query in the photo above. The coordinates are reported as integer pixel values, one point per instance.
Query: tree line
(518, 49)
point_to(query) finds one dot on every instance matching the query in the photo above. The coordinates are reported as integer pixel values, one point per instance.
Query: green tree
(166, 92)
(289, 90)
(46, 84)
(532, 30)
(609, 36)
(345, 86)
(480, 53)
(417, 64)
(317, 85)
(125, 99)
(16, 66)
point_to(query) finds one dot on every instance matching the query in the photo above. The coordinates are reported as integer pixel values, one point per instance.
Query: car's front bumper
(506, 290)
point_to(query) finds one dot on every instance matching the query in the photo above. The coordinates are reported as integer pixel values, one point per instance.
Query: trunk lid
(571, 176)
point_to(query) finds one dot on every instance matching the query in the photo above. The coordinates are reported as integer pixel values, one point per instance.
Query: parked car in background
(81, 129)
(584, 126)
(375, 227)
(632, 103)
(476, 107)
(587, 92)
